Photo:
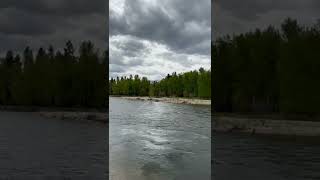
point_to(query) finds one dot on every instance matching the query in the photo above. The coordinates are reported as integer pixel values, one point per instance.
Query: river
(148, 140)
(32, 147)
(242, 156)
(159, 141)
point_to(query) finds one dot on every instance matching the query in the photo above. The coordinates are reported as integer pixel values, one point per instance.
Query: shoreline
(265, 126)
(78, 116)
(63, 113)
(19, 108)
(174, 100)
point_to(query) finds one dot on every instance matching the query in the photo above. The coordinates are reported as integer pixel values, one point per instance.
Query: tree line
(193, 84)
(55, 78)
(269, 70)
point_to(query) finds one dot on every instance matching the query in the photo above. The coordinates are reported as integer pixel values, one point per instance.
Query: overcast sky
(43, 22)
(153, 38)
(147, 37)
(237, 16)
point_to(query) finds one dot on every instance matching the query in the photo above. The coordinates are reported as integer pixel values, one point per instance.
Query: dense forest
(193, 84)
(270, 70)
(55, 78)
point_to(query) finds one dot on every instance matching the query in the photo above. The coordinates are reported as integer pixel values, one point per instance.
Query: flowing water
(241, 156)
(159, 141)
(32, 147)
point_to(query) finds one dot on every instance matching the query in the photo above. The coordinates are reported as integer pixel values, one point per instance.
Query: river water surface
(159, 141)
(32, 147)
(241, 156)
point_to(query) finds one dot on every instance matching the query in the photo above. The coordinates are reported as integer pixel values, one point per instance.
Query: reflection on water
(264, 157)
(32, 147)
(160, 141)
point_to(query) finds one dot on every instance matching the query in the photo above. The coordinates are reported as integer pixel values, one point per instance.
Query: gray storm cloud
(42, 22)
(179, 24)
(233, 16)
(165, 36)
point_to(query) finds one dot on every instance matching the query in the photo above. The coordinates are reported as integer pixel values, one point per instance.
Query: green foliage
(268, 70)
(189, 84)
(55, 79)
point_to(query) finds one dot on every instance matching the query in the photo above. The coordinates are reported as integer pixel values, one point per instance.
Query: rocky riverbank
(67, 115)
(266, 126)
(171, 100)
(90, 114)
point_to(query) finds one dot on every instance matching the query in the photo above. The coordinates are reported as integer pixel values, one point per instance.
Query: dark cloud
(42, 22)
(13, 21)
(57, 7)
(131, 47)
(180, 24)
(233, 16)
(127, 51)
(252, 9)
(153, 38)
